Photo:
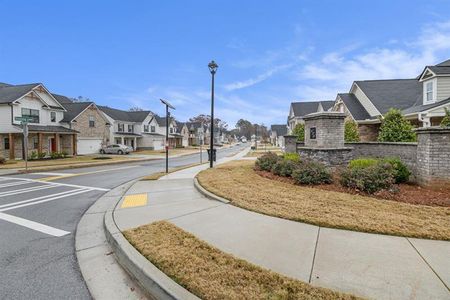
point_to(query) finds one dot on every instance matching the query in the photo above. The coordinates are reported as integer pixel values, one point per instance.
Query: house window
(52, 116)
(6, 143)
(429, 91)
(31, 114)
(91, 121)
(121, 127)
(35, 142)
(153, 129)
(130, 128)
(312, 133)
(171, 130)
(145, 128)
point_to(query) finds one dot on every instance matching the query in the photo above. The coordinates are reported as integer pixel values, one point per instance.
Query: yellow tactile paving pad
(134, 200)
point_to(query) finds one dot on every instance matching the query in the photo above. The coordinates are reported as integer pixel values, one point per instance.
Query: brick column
(40, 142)
(11, 146)
(433, 155)
(57, 142)
(74, 145)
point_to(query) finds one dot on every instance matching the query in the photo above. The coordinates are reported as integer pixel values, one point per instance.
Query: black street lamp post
(168, 105)
(212, 68)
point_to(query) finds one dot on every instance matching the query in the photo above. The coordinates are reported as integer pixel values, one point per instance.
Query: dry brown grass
(238, 182)
(212, 274)
(172, 152)
(258, 153)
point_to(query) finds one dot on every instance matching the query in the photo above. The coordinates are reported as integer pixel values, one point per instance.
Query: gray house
(277, 133)
(298, 110)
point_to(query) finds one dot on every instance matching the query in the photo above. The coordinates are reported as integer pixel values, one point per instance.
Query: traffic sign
(24, 119)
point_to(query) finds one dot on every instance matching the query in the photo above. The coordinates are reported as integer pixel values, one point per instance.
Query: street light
(212, 68)
(168, 105)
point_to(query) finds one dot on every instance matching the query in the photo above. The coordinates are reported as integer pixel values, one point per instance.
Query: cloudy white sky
(125, 54)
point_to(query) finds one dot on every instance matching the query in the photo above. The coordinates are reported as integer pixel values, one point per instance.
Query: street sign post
(24, 121)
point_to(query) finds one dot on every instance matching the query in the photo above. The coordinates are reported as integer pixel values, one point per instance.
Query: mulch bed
(404, 192)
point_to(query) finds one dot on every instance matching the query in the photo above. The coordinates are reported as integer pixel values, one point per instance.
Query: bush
(266, 161)
(34, 155)
(309, 172)
(2, 161)
(351, 132)
(41, 155)
(283, 167)
(446, 120)
(299, 131)
(400, 171)
(395, 128)
(370, 179)
(292, 157)
(64, 154)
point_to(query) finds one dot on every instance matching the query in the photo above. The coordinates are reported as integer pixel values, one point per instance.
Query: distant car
(116, 149)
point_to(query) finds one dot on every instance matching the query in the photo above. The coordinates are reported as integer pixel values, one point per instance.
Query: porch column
(57, 142)
(122, 141)
(74, 145)
(11, 146)
(135, 143)
(40, 142)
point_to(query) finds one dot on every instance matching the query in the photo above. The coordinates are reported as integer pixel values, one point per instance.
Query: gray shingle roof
(9, 93)
(122, 115)
(354, 106)
(393, 93)
(303, 108)
(162, 120)
(194, 125)
(55, 129)
(279, 129)
(62, 99)
(419, 108)
(73, 110)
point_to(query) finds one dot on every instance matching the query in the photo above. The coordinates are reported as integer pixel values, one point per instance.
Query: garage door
(89, 146)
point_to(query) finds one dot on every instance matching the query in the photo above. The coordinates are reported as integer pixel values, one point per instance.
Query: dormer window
(429, 91)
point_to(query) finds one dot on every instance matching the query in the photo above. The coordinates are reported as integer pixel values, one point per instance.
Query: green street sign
(23, 119)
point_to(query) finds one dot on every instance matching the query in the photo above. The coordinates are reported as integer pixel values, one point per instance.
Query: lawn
(210, 273)
(176, 151)
(85, 159)
(259, 152)
(239, 183)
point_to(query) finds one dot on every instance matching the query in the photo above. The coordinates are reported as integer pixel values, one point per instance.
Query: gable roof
(442, 68)
(422, 107)
(304, 108)
(279, 129)
(194, 125)
(122, 115)
(392, 93)
(62, 99)
(74, 109)
(10, 93)
(355, 107)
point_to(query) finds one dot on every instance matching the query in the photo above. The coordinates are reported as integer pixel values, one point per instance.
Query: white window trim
(434, 81)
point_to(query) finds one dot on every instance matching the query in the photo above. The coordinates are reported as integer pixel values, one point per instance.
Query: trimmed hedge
(369, 179)
(400, 171)
(310, 172)
(292, 157)
(283, 167)
(267, 161)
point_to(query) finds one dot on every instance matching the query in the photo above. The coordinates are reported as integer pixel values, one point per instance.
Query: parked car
(116, 149)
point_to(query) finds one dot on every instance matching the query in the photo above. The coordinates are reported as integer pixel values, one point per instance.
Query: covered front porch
(42, 142)
(175, 140)
(128, 139)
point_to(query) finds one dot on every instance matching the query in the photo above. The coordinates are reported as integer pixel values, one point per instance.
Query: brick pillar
(433, 155)
(290, 143)
(74, 145)
(12, 146)
(324, 130)
(40, 142)
(57, 142)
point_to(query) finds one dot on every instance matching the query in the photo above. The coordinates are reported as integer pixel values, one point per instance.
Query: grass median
(212, 274)
(238, 182)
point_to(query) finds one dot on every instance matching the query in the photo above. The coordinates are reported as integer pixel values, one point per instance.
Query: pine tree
(395, 128)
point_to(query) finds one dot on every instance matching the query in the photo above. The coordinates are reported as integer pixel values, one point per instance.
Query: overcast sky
(270, 53)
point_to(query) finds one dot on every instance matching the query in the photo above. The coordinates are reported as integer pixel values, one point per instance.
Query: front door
(52, 144)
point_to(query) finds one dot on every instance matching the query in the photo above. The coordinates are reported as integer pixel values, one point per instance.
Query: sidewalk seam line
(197, 211)
(314, 256)
(91, 247)
(423, 258)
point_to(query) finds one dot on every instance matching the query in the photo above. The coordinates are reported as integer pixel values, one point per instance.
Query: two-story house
(127, 127)
(44, 114)
(175, 138)
(298, 110)
(277, 133)
(197, 133)
(422, 100)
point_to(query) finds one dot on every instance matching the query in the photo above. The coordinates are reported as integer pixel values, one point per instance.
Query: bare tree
(136, 108)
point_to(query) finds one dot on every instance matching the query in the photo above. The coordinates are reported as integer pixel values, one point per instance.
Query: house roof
(162, 120)
(62, 99)
(122, 115)
(355, 107)
(9, 93)
(392, 93)
(194, 125)
(420, 108)
(74, 109)
(303, 108)
(55, 129)
(279, 129)
(442, 68)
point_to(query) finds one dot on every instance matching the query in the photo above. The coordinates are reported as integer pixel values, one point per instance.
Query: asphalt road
(38, 221)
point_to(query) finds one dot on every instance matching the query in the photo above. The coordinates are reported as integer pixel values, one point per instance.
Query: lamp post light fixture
(168, 105)
(212, 68)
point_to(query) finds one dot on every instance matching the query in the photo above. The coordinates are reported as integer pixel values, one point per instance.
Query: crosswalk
(16, 193)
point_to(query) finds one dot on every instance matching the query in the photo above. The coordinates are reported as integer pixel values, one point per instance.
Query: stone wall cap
(433, 129)
(325, 149)
(325, 115)
(383, 143)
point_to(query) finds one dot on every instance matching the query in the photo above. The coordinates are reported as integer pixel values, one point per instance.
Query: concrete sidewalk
(368, 265)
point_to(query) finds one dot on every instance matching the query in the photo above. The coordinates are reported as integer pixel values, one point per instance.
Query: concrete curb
(151, 279)
(207, 193)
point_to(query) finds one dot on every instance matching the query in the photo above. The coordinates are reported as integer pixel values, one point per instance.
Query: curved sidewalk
(368, 265)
